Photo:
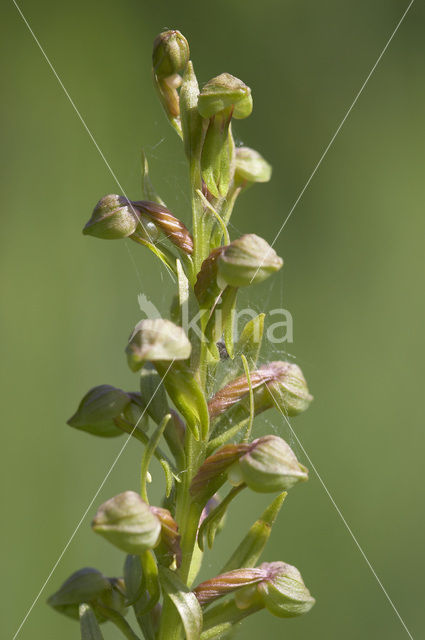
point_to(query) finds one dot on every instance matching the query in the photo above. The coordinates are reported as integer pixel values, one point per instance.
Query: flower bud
(113, 217)
(251, 166)
(136, 410)
(247, 260)
(170, 53)
(157, 340)
(115, 599)
(128, 523)
(90, 586)
(270, 465)
(98, 409)
(82, 586)
(280, 384)
(285, 388)
(225, 92)
(284, 593)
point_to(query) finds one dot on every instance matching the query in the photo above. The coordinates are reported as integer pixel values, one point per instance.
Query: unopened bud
(82, 586)
(270, 465)
(170, 53)
(157, 340)
(247, 260)
(251, 166)
(225, 93)
(90, 586)
(284, 593)
(113, 217)
(128, 523)
(136, 410)
(98, 409)
(279, 384)
(285, 388)
(237, 390)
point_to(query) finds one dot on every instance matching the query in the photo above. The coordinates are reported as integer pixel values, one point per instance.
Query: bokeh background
(353, 281)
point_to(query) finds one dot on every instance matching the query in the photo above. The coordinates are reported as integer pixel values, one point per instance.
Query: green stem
(117, 619)
(187, 516)
(227, 612)
(151, 447)
(225, 436)
(217, 216)
(140, 435)
(212, 521)
(166, 256)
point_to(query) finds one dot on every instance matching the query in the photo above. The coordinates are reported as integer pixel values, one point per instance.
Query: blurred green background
(353, 281)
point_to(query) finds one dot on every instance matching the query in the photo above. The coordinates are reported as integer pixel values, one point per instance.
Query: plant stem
(142, 437)
(149, 452)
(227, 612)
(187, 516)
(117, 619)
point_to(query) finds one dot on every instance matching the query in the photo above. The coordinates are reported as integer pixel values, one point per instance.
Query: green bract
(128, 523)
(98, 409)
(157, 340)
(247, 260)
(222, 93)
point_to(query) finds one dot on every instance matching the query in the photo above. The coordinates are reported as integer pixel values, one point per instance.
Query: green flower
(128, 523)
(247, 260)
(97, 410)
(224, 93)
(270, 465)
(157, 340)
(113, 217)
(170, 53)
